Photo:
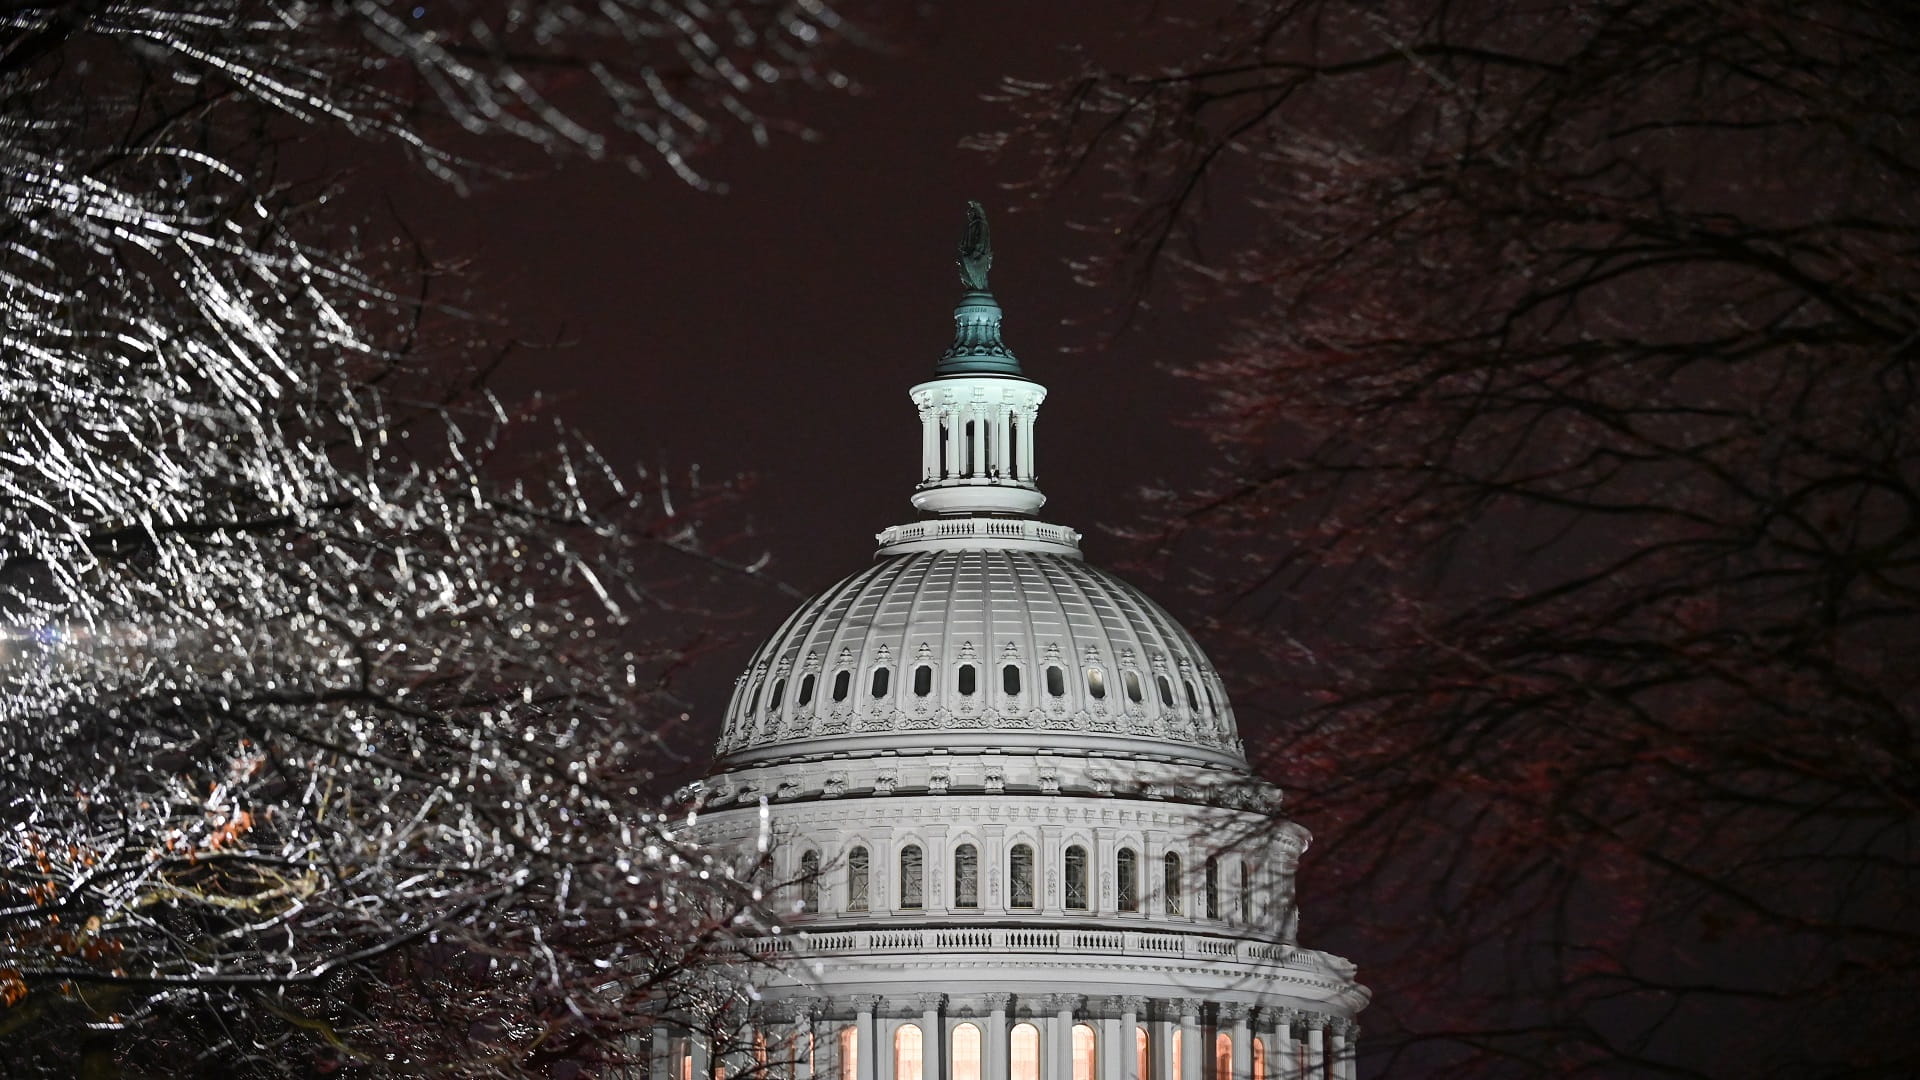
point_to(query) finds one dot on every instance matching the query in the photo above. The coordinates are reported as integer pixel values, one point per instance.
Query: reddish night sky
(774, 329)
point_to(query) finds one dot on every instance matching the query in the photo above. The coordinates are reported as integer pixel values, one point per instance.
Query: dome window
(1193, 700)
(773, 700)
(880, 677)
(1126, 867)
(842, 682)
(857, 879)
(1096, 684)
(913, 883)
(1213, 706)
(1246, 894)
(1132, 679)
(1213, 887)
(1020, 876)
(1076, 868)
(810, 881)
(806, 691)
(1056, 681)
(966, 876)
(1010, 678)
(922, 681)
(1171, 882)
(753, 699)
(967, 679)
(1166, 690)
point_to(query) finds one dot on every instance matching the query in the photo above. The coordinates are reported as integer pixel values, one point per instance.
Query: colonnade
(1041, 1037)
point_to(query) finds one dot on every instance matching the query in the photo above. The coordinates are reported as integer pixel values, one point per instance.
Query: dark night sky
(774, 329)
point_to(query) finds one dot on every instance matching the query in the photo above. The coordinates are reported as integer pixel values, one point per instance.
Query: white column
(1236, 1015)
(1346, 1049)
(929, 445)
(1129, 1049)
(866, 1047)
(1160, 1044)
(1002, 423)
(950, 458)
(1064, 1006)
(1026, 446)
(698, 1050)
(998, 1046)
(1190, 1059)
(933, 1040)
(1282, 1061)
(660, 1053)
(1316, 1024)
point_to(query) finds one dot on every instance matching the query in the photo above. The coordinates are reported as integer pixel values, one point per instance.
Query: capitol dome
(998, 797)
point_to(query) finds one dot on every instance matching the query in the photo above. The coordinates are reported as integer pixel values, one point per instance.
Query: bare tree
(1572, 495)
(324, 715)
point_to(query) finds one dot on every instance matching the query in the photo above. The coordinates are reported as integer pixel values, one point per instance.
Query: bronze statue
(976, 249)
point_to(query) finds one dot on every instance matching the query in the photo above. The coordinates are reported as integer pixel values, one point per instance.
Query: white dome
(979, 646)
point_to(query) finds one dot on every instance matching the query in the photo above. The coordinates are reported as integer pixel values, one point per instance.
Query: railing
(1012, 939)
(964, 527)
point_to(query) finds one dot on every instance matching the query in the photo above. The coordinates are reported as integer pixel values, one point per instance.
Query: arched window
(1023, 1052)
(1223, 1056)
(857, 879)
(1010, 678)
(810, 881)
(1020, 876)
(1213, 704)
(1096, 684)
(1142, 1061)
(922, 681)
(1171, 883)
(1126, 873)
(912, 877)
(907, 1046)
(1213, 886)
(967, 680)
(779, 689)
(966, 1052)
(1193, 700)
(849, 1053)
(1246, 894)
(966, 876)
(880, 677)
(842, 682)
(1056, 681)
(1259, 1058)
(1013, 448)
(1076, 868)
(1166, 690)
(753, 698)
(968, 466)
(806, 690)
(1132, 680)
(1084, 1059)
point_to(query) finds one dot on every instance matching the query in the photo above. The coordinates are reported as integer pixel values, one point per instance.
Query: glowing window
(966, 679)
(1020, 876)
(907, 1045)
(1083, 1052)
(1132, 681)
(779, 689)
(806, 690)
(1166, 690)
(912, 877)
(1056, 681)
(1127, 879)
(1173, 1071)
(966, 876)
(966, 1052)
(842, 682)
(1143, 1062)
(1223, 1055)
(810, 881)
(880, 677)
(1024, 1052)
(1171, 887)
(686, 1067)
(857, 879)
(922, 681)
(1259, 1058)
(1076, 868)
(1096, 684)
(849, 1053)
(1213, 887)
(1010, 679)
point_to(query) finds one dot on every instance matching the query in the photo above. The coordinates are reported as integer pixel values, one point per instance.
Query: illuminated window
(1246, 894)
(1259, 1059)
(810, 880)
(1010, 678)
(1076, 868)
(967, 686)
(1223, 1055)
(1132, 681)
(912, 877)
(1173, 1070)
(880, 676)
(966, 876)
(842, 682)
(922, 681)
(966, 1053)
(1142, 1063)
(906, 1052)
(1083, 1052)
(806, 691)
(1127, 873)
(1020, 876)
(1171, 884)
(1056, 681)
(1024, 1053)
(857, 879)
(849, 1053)
(760, 1049)
(1096, 684)
(1213, 886)
(686, 1066)
(1166, 690)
